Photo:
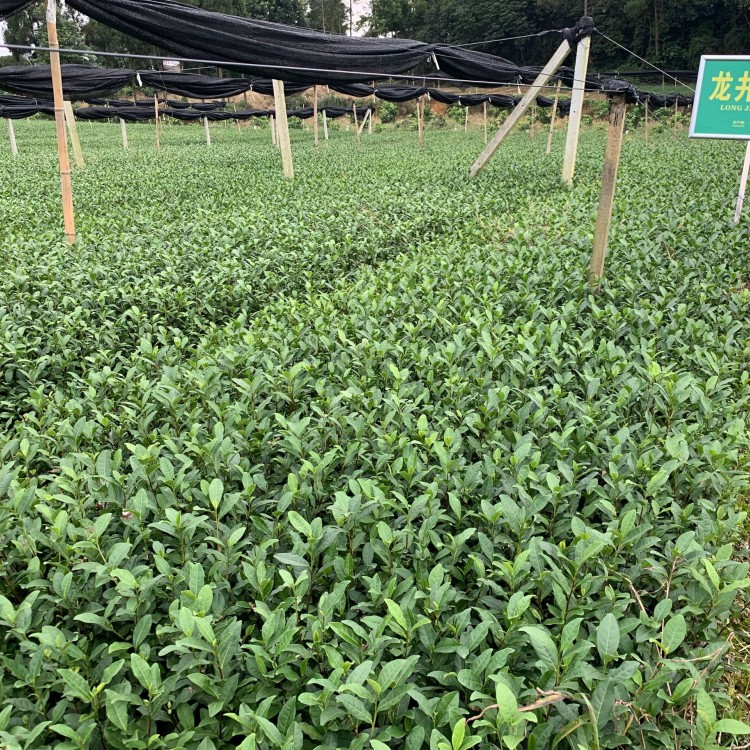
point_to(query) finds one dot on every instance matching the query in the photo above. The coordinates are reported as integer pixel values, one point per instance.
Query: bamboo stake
(553, 118)
(273, 129)
(282, 128)
(325, 124)
(315, 115)
(158, 124)
(208, 132)
(576, 109)
(743, 185)
(70, 123)
(674, 121)
(364, 121)
(12, 137)
(124, 134)
(420, 121)
(356, 122)
(542, 79)
(645, 124)
(369, 119)
(609, 185)
(485, 123)
(466, 122)
(533, 120)
(66, 183)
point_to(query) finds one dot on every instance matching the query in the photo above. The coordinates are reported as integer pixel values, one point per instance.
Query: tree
(328, 15)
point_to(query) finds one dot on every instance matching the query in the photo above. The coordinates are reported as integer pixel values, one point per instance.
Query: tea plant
(389, 475)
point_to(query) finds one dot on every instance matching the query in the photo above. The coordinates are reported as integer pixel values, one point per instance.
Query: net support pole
(124, 134)
(533, 120)
(282, 129)
(12, 138)
(364, 122)
(645, 123)
(315, 115)
(70, 122)
(542, 79)
(207, 130)
(325, 125)
(576, 109)
(272, 123)
(485, 123)
(743, 185)
(356, 123)
(553, 118)
(609, 186)
(66, 182)
(369, 120)
(466, 122)
(420, 121)
(158, 123)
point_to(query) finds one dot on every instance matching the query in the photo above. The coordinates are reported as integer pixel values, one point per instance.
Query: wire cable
(510, 38)
(643, 60)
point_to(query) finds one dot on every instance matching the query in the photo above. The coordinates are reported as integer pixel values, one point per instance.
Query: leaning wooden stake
(542, 79)
(609, 185)
(365, 121)
(208, 131)
(743, 185)
(576, 109)
(124, 134)
(12, 137)
(553, 118)
(282, 129)
(315, 115)
(356, 123)
(62, 141)
(70, 122)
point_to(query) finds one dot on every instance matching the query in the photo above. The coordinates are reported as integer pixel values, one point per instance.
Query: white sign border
(696, 105)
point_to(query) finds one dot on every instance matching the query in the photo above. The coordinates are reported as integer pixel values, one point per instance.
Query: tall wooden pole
(420, 121)
(553, 118)
(282, 129)
(315, 115)
(124, 134)
(62, 141)
(325, 125)
(158, 124)
(542, 79)
(576, 109)
(70, 122)
(208, 132)
(609, 185)
(356, 122)
(743, 185)
(12, 137)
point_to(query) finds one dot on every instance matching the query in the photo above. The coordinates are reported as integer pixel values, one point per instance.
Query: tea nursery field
(361, 461)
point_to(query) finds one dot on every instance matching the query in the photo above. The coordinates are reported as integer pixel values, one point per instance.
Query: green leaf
(354, 707)
(75, 685)
(415, 740)
(507, 705)
(731, 726)
(608, 636)
(675, 630)
(285, 558)
(117, 712)
(141, 671)
(215, 492)
(459, 731)
(397, 614)
(299, 523)
(543, 645)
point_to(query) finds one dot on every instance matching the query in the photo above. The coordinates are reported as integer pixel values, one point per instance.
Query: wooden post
(553, 118)
(325, 124)
(124, 134)
(466, 122)
(158, 127)
(315, 115)
(576, 109)
(356, 122)
(645, 123)
(485, 123)
(743, 185)
(365, 121)
(70, 122)
(533, 120)
(369, 119)
(420, 121)
(62, 141)
(12, 137)
(282, 129)
(547, 72)
(609, 185)
(208, 132)
(272, 123)
(674, 122)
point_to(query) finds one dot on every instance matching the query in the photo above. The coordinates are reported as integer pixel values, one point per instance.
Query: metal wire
(643, 60)
(509, 38)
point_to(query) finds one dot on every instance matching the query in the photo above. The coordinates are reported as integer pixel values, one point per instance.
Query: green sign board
(722, 99)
